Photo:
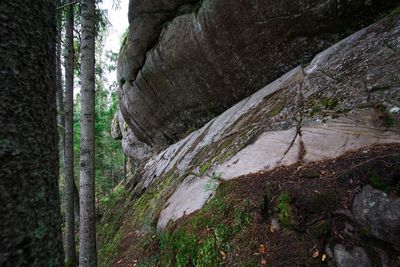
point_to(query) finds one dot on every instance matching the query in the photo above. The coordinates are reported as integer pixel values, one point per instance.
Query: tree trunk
(30, 219)
(76, 205)
(124, 167)
(87, 230)
(70, 252)
(60, 90)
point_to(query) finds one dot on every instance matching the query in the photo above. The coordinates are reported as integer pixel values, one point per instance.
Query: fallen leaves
(262, 249)
(223, 254)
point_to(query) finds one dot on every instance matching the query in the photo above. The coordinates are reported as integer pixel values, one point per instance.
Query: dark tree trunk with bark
(70, 252)
(60, 86)
(76, 205)
(30, 220)
(87, 230)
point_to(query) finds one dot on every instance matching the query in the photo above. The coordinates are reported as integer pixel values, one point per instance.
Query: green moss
(241, 215)
(278, 107)
(284, 210)
(395, 11)
(329, 103)
(107, 251)
(110, 200)
(147, 207)
(185, 248)
(315, 110)
(199, 240)
(205, 167)
(207, 253)
(109, 232)
(178, 248)
(150, 262)
(229, 148)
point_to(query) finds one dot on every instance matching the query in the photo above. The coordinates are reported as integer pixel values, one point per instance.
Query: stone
(274, 225)
(311, 113)
(356, 257)
(137, 151)
(325, 141)
(275, 126)
(190, 195)
(116, 132)
(186, 61)
(380, 214)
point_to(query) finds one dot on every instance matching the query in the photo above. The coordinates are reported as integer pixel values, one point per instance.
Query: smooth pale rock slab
(325, 141)
(356, 257)
(381, 215)
(331, 141)
(270, 150)
(187, 198)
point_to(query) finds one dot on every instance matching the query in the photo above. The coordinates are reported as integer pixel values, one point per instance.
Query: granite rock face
(339, 103)
(356, 257)
(184, 61)
(374, 209)
(137, 151)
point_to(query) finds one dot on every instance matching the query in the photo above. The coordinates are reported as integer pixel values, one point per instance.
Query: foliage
(204, 239)
(329, 103)
(284, 210)
(109, 232)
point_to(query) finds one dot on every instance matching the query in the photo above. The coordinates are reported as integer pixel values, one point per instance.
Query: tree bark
(60, 86)
(87, 230)
(70, 252)
(123, 154)
(30, 219)
(76, 205)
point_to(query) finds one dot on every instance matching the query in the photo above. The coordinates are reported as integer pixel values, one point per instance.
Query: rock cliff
(185, 61)
(300, 163)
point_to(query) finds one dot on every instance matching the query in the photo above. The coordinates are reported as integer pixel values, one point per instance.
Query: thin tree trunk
(87, 230)
(76, 206)
(30, 219)
(70, 251)
(60, 90)
(124, 168)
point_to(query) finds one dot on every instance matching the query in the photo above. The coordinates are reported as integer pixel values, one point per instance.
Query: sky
(119, 23)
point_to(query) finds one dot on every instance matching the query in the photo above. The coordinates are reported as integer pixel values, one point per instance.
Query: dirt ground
(311, 201)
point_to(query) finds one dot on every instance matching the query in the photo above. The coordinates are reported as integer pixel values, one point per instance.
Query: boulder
(137, 151)
(186, 61)
(356, 257)
(374, 210)
(116, 132)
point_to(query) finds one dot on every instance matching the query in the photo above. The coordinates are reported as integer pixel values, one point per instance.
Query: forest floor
(311, 201)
